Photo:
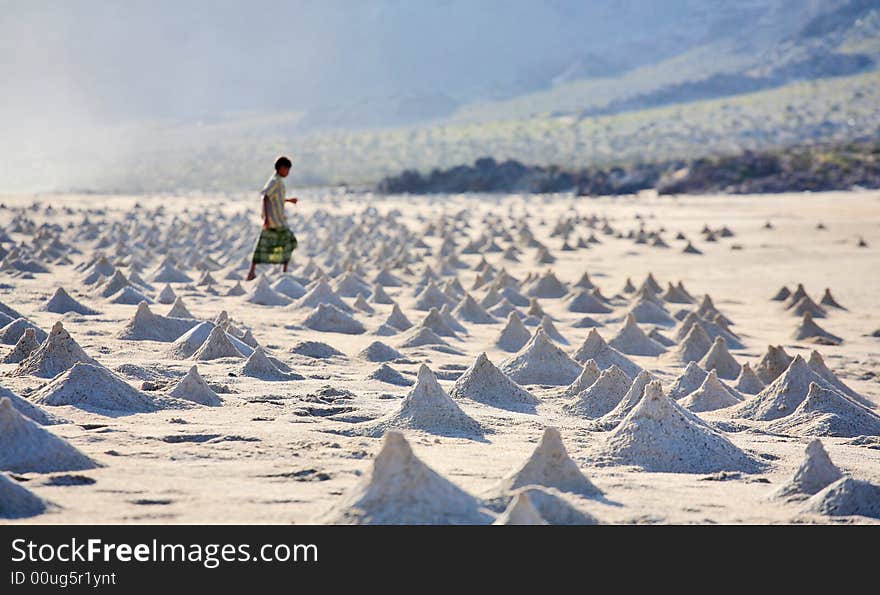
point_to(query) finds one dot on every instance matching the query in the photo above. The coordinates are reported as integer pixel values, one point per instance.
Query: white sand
(266, 455)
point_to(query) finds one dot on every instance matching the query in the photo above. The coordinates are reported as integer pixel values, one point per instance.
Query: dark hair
(282, 162)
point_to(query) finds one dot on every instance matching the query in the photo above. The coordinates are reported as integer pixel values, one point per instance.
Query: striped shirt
(274, 192)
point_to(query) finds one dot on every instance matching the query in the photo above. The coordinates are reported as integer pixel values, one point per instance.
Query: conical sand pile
(146, 326)
(432, 297)
(438, 324)
(811, 332)
(541, 362)
(315, 350)
(167, 295)
(595, 348)
(553, 506)
(548, 327)
(217, 345)
(398, 320)
(386, 373)
(179, 310)
(484, 383)
(718, 358)
(25, 447)
(748, 382)
(587, 377)
(814, 474)
(693, 348)
(711, 395)
(846, 497)
(600, 397)
(648, 312)
(95, 388)
(426, 407)
(289, 287)
(258, 365)
(806, 305)
(17, 502)
(547, 286)
(828, 300)
(817, 365)
(28, 409)
(633, 395)
(192, 387)
(772, 364)
(826, 412)
(687, 382)
(419, 336)
(659, 435)
(321, 293)
(330, 319)
(586, 303)
(630, 339)
(379, 352)
(550, 466)
(12, 332)
(25, 346)
(61, 302)
(399, 489)
(782, 396)
(59, 352)
(520, 511)
(264, 295)
(469, 310)
(514, 334)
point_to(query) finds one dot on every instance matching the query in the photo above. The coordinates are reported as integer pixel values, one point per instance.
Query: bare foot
(250, 276)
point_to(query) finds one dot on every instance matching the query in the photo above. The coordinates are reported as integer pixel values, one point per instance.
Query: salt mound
(514, 334)
(189, 342)
(217, 345)
(748, 382)
(828, 300)
(91, 387)
(192, 387)
(57, 353)
(691, 249)
(677, 294)
(179, 310)
(17, 502)
(826, 412)
(630, 339)
(687, 382)
(711, 395)
(694, 347)
(783, 395)
(264, 295)
(14, 331)
(468, 309)
(379, 352)
(659, 435)
(28, 409)
(315, 350)
(647, 312)
(146, 326)
(61, 302)
(398, 320)
(719, 359)
(258, 365)
(595, 348)
(553, 507)
(807, 305)
(168, 273)
(288, 286)
(25, 447)
(783, 294)
(817, 364)
(321, 293)
(113, 285)
(380, 296)
(399, 489)
(548, 327)
(773, 363)
(25, 346)
(587, 377)
(438, 324)
(585, 302)
(426, 407)
(633, 395)
(361, 304)
(600, 397)
(814, 473)
(541, 362)
(432, 297)
(420, 336)
(167, 295)
(484, 383)
(847, 497)
(550, 466)
(386, 373)
(808, 330)
(521, 511)
(236, 290)
(330, 319)
(130, 296)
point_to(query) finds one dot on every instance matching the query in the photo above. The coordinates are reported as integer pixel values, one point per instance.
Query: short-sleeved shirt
(274, 192)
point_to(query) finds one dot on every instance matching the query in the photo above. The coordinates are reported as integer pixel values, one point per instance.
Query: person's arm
(265, 212)
(291, 200)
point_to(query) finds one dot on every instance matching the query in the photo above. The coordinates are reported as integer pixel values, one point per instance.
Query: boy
(276, 240)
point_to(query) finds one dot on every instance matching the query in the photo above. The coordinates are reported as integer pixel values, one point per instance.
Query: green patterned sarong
(274, 246)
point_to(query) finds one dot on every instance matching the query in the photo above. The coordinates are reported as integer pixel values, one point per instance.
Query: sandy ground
(271, 463)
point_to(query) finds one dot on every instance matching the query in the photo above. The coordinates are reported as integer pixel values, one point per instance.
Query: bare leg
(252, 274)
(284, 270)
